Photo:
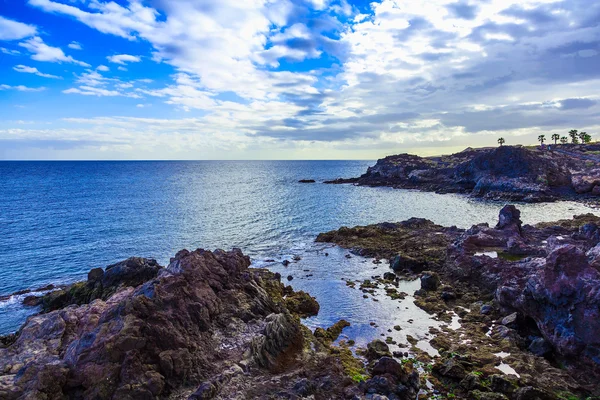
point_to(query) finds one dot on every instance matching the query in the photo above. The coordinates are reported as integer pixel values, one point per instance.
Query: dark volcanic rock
(185, 327)
(306, 181)
(430, 281)
(102, 284)
(513, 173)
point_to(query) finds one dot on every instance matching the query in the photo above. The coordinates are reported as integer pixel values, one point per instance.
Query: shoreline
(454, 300)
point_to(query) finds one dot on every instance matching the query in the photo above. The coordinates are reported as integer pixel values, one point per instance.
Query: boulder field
(207, 326)
(526, 297)
(512, 173)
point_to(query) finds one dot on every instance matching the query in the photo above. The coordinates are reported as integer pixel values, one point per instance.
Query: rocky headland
(528, 299)
(512, 173)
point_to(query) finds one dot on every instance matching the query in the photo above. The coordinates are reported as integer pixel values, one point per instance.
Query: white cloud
(123, 59)
(103, 68)
(122, 68)
(32, 70)
(21, 88)
(14, 30)
(75, 46)
(100, 92)
(408, 75)
(42, 52)
(9, 52)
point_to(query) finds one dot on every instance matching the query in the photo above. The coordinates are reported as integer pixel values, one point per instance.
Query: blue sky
(291, 79)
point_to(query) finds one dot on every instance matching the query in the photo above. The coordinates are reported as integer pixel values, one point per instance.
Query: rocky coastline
(526, 300)
(527, 297)
(509, 173)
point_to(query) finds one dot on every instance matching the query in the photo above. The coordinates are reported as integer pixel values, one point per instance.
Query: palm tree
(555, 137)
(542, 139)
(501, 141)
(564, 140)
(574, 136)
(586, 138)
(582, 135)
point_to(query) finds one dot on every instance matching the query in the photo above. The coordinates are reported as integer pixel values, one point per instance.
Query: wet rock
(302, 304)
(402, 262)
(333, 332)
(389, 276)
(430, 281)
(387, 365)
(290, 278)
(593, 256)
(32, 301)
(377, 349)
(306, 181)
(285, 263)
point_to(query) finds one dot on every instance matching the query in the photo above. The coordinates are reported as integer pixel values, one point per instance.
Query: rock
(387, 365)
(389, 276)
(593, 256)
(290, 277)
(540, 347)
(32, 301)
(502, 384)
(401, 262)
(377, 349)
(333, 332)
(596, 190)
(205, 313)
(302, 304)
(486, 309)
(531, 393)
(584, 182)
(304, 387)
(510, 219)
(430, 281)
(205, 391)
(479, 395)
(510, 320)
(95, 275)
(451, 368)
(448, 296)
(561, 296)
(306, 181)
(285, 263)
(131, 272)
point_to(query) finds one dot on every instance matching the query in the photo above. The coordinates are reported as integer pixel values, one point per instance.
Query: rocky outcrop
(101, 284)
(529, 293)
(513, 173)
(206, 324)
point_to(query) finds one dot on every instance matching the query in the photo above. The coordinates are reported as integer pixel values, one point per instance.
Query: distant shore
(508, 173)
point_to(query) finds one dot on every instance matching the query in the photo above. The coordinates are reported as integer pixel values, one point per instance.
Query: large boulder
(178, 328)
(510, 219)
(562, 295)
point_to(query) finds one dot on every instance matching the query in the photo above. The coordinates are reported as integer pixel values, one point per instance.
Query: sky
(292, 79)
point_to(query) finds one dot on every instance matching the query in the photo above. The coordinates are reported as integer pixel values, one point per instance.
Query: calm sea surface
(60, 219)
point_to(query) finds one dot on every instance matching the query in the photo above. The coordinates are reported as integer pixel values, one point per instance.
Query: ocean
(60, 219)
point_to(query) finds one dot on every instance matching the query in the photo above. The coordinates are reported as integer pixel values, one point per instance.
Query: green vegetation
(542, 139)
(556, 138)
(564, 140)
(574, 134)
(501, 141)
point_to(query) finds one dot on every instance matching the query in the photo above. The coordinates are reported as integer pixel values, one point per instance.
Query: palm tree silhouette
(501, 141)
(542, 139)
(574, 136)
(555, 137)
